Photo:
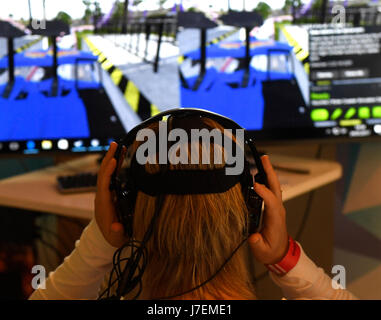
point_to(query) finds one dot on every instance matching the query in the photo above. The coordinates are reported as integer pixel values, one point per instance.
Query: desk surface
(37, 190)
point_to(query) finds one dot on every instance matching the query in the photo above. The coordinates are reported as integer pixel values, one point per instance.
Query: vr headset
(130, 176)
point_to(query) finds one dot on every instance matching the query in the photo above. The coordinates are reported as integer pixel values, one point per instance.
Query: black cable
(132, 244)
(116, 267)
(118, 279)
(126, 285)
(129, 281)
(133, 265)
(307, 211)
(319, 151)
(305, 216)
(140, 290)
(208, 280)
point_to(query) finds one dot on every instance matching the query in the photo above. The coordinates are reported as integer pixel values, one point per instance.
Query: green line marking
(319, 115)
(350, 113)
(320, 96)
(323, 82)
(376, 111)
(364, 113)
(350, 122)
(336, 114)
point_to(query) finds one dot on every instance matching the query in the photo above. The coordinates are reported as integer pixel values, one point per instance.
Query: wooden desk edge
(301, 188)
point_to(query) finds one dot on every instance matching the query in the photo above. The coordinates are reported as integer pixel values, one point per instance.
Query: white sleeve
(307, 281)
(82, 272)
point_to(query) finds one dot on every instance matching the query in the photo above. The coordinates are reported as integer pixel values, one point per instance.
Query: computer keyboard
(76, 183)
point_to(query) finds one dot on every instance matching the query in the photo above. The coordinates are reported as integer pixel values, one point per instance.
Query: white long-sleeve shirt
(82, 272)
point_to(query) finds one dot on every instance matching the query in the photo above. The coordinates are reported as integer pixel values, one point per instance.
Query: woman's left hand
(271, 244)
(105, 213)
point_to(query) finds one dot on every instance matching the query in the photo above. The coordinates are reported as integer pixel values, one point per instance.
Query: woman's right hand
(271, 244)
(105, 213)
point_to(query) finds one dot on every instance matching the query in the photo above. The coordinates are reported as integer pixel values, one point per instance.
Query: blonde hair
(194, 235)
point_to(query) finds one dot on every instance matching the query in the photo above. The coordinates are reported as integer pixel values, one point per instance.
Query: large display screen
(312, 82)
(300, 82)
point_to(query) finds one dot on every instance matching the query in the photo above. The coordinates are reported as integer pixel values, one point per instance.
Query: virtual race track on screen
(271, 96)
(80, 109)
(268, 95)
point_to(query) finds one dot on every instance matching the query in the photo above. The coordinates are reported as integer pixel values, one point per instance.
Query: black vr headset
(131, 177)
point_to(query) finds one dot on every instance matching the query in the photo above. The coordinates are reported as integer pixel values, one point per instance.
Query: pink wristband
(289, 261)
